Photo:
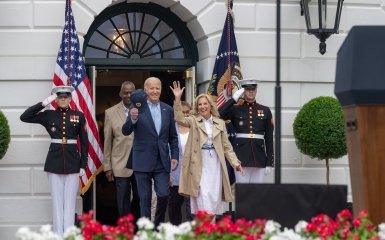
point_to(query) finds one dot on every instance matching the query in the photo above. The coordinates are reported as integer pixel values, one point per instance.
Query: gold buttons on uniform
(64, 141)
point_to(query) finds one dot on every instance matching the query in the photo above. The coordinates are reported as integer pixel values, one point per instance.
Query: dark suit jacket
(147, 144)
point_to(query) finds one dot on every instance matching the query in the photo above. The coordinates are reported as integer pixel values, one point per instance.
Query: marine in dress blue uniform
(65, 161)
(254, 127)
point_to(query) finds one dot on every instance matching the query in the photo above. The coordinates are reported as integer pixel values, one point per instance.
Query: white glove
(237, 94)
(49, 99)
(82, 172)
(268, 170)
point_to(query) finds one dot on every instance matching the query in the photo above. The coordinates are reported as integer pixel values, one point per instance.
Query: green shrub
(5, 137)
(319, 130)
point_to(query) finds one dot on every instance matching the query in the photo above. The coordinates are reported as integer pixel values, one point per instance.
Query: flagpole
(229, 81)
(69, 45)
(93, 84)
(278, 99)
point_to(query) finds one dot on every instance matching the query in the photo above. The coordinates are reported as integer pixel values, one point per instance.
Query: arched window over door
(139, 35)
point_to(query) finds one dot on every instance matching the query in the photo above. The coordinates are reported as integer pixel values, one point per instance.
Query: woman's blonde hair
(214, 109)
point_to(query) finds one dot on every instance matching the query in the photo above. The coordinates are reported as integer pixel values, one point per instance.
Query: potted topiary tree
(5, 137)
(319, 130)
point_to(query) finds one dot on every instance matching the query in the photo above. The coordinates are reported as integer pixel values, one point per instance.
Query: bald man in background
(117, 148)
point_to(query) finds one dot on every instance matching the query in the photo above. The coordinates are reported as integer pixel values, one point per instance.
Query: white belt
(64, 141)
(250, 135)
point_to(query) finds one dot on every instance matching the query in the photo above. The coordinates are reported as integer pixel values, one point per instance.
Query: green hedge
(5, 135)
(319, 129)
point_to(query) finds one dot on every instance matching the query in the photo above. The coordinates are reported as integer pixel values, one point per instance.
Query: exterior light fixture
(318, 22)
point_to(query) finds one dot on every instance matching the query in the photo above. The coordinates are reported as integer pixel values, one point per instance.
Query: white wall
(305, 73)
(30, 32)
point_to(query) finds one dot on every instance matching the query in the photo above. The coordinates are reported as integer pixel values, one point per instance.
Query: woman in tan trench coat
(204, 174)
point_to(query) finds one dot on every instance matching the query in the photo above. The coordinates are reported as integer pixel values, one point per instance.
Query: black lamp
(317, 21)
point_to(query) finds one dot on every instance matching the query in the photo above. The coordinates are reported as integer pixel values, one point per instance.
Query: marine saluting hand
(49, 100)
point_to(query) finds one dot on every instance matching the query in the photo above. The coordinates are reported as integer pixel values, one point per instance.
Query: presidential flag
(226, 73)
(70, 70)
(227, 69)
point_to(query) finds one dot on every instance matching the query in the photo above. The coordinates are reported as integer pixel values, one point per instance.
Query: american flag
(70, 70)
(226, 64)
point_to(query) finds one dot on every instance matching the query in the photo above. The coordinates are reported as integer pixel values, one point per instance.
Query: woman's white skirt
(210, 192)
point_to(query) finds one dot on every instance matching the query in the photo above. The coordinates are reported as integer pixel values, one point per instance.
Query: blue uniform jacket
(61, 124)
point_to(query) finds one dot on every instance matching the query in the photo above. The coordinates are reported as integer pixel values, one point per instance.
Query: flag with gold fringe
(70, 70)
(227, 67)
(226, 73)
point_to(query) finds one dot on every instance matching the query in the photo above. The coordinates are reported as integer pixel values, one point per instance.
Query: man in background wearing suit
(117, 148)
(155, 137)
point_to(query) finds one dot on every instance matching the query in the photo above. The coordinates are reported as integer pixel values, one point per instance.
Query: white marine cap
(63, 89)
(249, 82)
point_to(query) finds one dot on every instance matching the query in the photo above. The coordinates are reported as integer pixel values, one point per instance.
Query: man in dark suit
(155, 137)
